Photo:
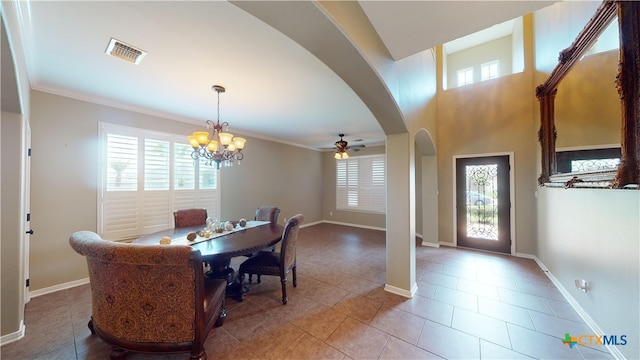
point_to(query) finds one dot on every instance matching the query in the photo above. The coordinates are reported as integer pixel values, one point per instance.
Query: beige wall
(361, 218)
(593, 234)
(498, 49)
(329, 211)
(274, 174)
(65, 173)
(15, 116)
(487, 118)
(11, 223)
(416, 96)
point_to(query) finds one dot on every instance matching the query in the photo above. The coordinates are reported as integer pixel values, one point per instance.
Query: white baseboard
(574, 304)
(424, 243)
(401, 292)
(354, 225)
(52, 289)
(14, 336)
(529, 256)
(310, 224)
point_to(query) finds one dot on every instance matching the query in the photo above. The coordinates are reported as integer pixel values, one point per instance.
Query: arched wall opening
(427, 181)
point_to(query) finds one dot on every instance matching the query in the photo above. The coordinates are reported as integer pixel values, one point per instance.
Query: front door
(483, 203)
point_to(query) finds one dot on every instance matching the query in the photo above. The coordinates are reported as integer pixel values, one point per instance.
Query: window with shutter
(146, 176)
(360, 184)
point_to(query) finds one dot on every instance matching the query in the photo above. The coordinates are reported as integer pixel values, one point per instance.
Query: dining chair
(265, 213)
(277, 263)
(189, 217)
(269, 213)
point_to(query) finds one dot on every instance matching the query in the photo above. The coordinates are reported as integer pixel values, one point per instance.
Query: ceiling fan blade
(356, 147)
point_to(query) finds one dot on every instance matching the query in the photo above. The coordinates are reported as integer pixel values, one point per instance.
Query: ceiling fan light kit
(342, 146)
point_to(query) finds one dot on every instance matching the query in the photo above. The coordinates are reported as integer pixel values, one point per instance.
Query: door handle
(30, 232)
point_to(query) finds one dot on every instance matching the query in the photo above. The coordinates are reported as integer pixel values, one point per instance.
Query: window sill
(597, 180)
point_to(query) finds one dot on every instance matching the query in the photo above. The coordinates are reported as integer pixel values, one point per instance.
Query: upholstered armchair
(150, 298)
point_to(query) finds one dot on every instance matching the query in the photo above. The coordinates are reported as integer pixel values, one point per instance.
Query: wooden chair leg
(284, 290)
(295, 278)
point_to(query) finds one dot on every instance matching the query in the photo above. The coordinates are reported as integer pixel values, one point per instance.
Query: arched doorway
(427, 181)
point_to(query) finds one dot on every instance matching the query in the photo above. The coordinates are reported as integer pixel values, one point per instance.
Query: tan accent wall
(65, 174)
(493, 116)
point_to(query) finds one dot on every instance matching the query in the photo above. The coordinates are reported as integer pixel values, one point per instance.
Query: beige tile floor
(469, 305)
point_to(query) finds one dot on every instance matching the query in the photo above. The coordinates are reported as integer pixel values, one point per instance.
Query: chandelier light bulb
(239, 142)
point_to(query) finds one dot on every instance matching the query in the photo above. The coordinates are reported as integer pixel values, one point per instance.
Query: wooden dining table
(218, 250)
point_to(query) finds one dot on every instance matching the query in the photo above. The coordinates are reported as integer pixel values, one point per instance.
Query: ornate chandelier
(219, 146)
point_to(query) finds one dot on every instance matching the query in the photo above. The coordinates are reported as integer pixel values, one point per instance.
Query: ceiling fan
(342, 146)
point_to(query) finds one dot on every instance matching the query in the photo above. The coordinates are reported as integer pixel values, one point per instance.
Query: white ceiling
(276, 89)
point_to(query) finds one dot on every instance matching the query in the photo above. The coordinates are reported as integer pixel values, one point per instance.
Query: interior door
(483, 203)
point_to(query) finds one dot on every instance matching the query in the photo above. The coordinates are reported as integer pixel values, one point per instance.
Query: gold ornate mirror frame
(627, 84)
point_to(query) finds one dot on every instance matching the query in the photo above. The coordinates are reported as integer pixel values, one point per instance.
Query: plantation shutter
(120, 209)
(156, 195)
(146, 176)
(360, 184)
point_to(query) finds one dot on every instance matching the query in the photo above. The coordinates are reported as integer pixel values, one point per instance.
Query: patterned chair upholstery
(277, 263)
(267, 213)
(150, 298)
(189, 217)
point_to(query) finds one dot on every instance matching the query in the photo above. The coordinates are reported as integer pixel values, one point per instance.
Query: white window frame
(487, 70)
(361, 184)
(467, 76)
(147, 211)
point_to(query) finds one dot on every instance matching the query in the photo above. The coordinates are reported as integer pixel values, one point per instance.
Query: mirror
(596, 122)
(587, 110)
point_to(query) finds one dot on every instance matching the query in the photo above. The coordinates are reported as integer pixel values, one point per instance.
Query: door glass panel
(482, 201)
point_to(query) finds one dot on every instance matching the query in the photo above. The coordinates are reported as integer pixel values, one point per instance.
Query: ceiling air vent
(125, 52)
